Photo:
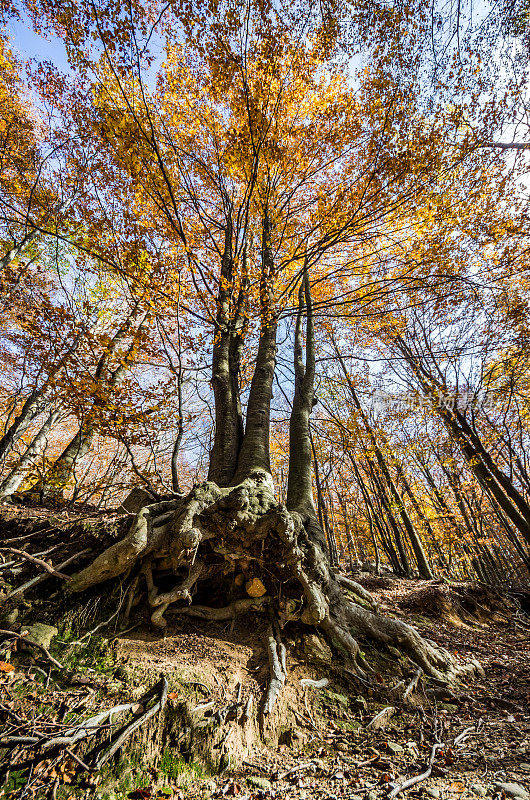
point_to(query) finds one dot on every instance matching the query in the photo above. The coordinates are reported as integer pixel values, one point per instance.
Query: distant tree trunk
(480, 462)
(422, 562)
(19, 473)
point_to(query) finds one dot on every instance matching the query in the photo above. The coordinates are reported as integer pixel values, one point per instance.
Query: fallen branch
(280, 776)
(38, 561)
(161, 688)
(34, 581)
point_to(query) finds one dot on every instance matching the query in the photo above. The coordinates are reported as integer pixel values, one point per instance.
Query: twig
(162, 687)
(34, 644)
(412, 685)
(282, 775)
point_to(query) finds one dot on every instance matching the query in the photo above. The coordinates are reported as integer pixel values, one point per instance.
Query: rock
(316, 650)
(513, 790)
(41, 634)
(432, 791)
(371, 796)
(394, 748)
(135, 501)
(479, 790)
(10, 618)
(255, 588)
(259, 782)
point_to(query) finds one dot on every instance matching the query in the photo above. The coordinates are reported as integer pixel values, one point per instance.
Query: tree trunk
(37, 447)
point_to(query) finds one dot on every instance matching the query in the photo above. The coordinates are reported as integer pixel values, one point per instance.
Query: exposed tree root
(235, 609)
(242, 530)
(358, 590)
(277, 667)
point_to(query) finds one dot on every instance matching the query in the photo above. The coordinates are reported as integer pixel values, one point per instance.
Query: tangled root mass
(242, 530)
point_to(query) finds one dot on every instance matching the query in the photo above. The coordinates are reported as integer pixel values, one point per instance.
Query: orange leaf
(5, 667)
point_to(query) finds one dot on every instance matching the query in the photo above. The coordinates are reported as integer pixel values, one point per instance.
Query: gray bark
(255, 450)
(226, 364)
(18, 474)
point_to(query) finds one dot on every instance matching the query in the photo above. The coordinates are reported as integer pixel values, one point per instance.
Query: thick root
(235, 609)
(358, 590)
(277, 667)
(160, 602)
(242, 530)
(435, 661)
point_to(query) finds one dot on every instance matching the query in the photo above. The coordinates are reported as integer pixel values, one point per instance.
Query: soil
(324, 732)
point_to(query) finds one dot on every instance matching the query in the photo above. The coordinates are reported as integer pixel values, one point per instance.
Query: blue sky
(28, 44)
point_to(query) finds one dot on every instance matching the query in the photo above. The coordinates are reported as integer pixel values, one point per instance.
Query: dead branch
(34, 581)
(38, 561)
(161, 688)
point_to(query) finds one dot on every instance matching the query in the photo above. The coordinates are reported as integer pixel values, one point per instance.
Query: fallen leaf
(5, 667)
(140, 794)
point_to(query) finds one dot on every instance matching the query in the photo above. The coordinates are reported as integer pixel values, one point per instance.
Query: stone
(479, 790)
(42, 634)
(135, 501)
(513, 790)
(316, 650)
(432, 791)
(394, 748)
(371, 796)
(255, 588)
(10, 617)
(259, 782)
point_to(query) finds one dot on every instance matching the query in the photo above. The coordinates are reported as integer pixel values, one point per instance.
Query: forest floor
(320, 743)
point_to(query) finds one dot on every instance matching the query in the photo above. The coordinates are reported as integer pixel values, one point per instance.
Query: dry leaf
(5, 667)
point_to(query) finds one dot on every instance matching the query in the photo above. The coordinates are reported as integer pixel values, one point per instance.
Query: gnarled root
(160, 602)
(243, 529)
(358, 591)
(435, 661)
(236, 608)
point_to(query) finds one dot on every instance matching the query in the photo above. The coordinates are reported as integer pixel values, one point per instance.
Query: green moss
(175, 768)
